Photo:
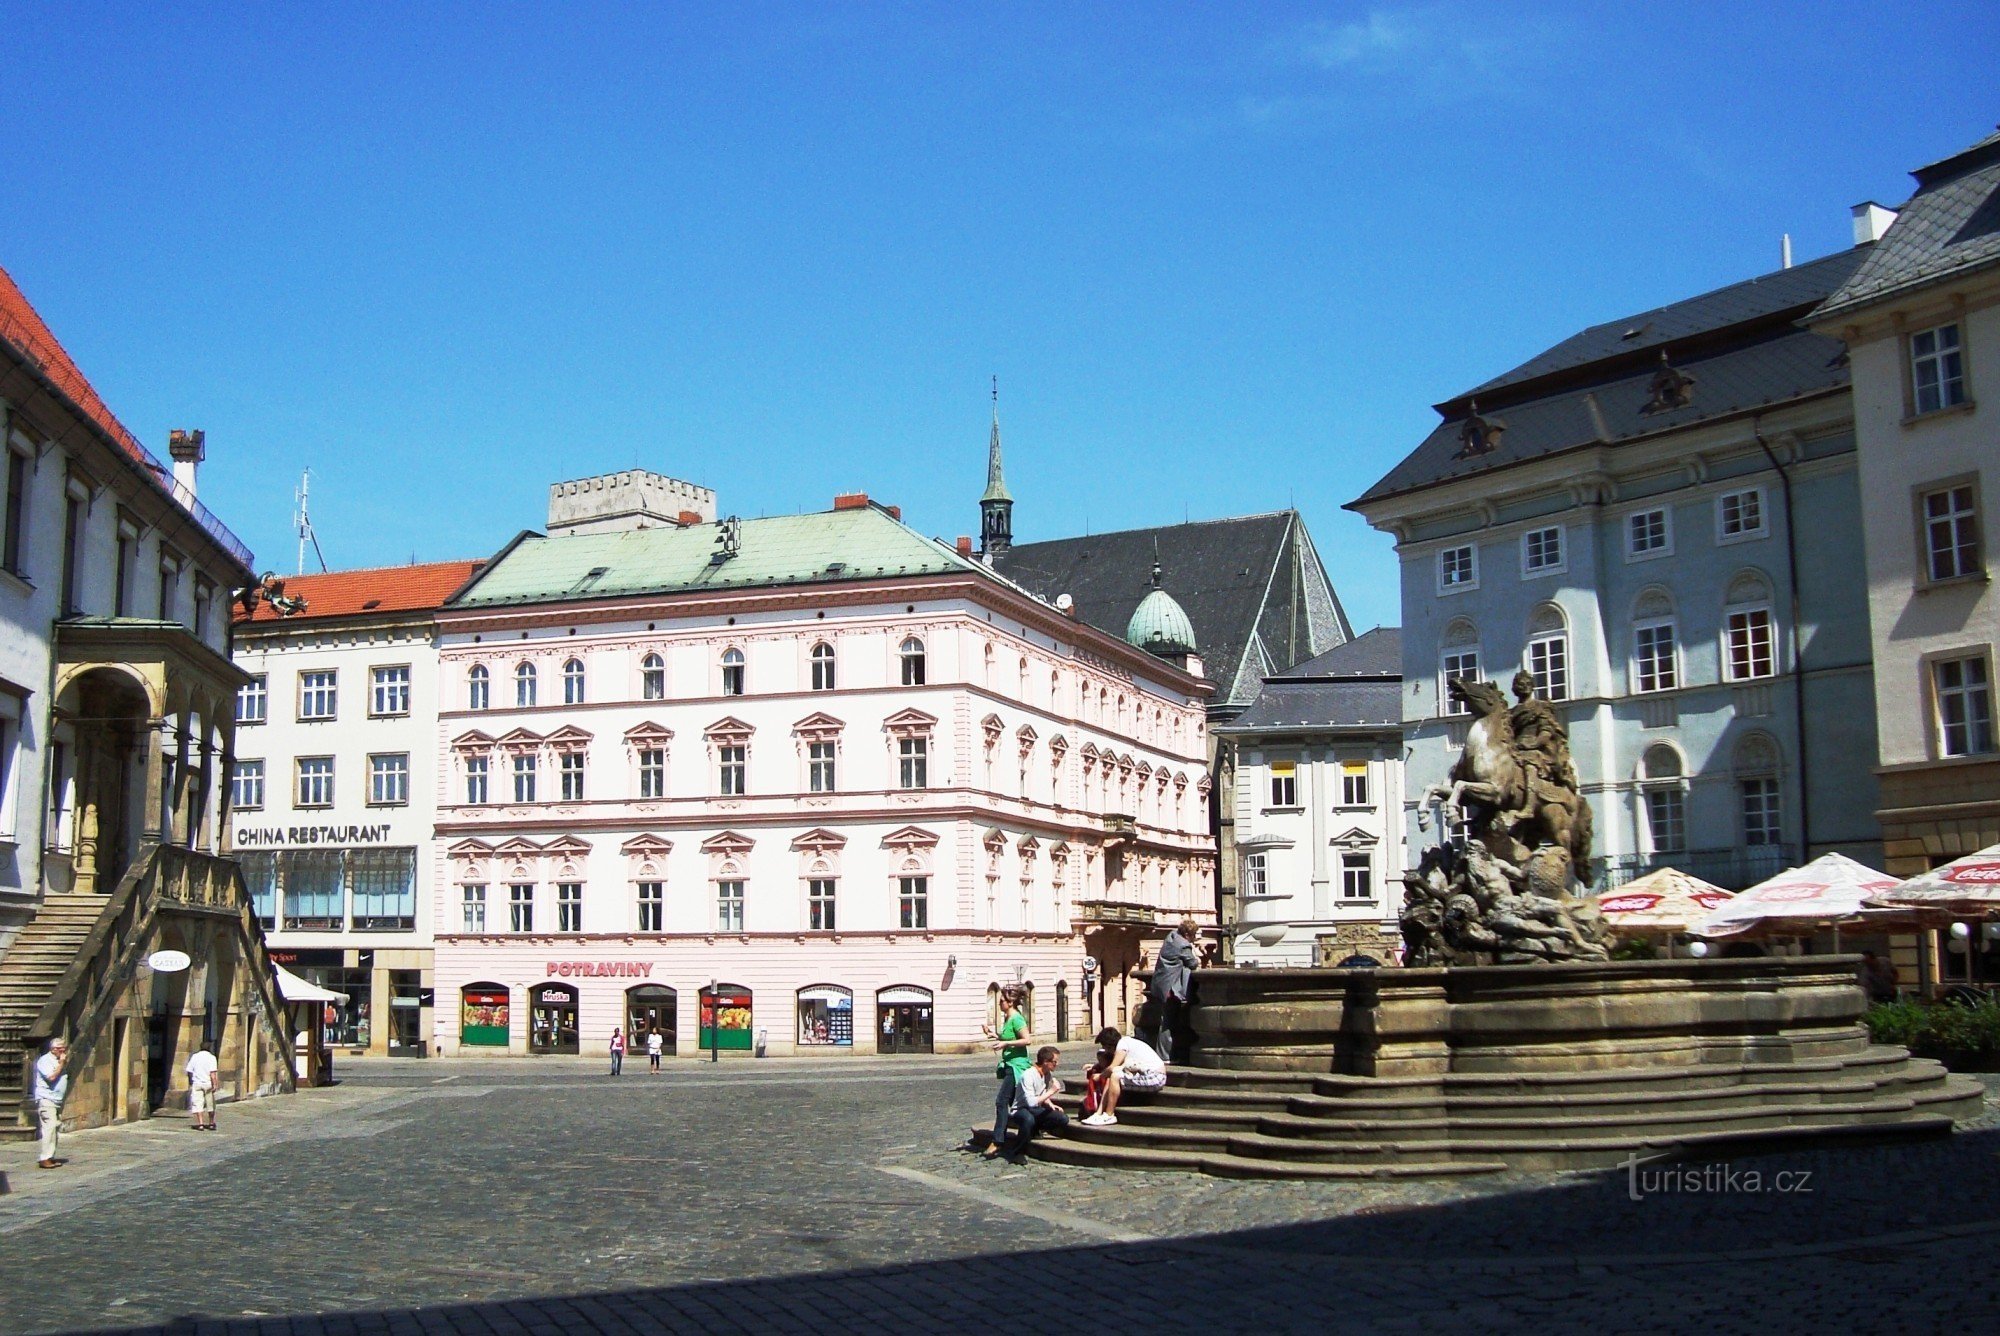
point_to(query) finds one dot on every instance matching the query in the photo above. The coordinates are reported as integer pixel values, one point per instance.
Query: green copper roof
(1160, 626)
(996, 479)
(862, 544)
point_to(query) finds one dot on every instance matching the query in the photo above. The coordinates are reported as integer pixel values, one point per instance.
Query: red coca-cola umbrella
(1967, 887)
(1666, 900)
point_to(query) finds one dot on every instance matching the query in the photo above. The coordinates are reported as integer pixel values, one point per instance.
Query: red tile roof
(22, 326)
(356, 593)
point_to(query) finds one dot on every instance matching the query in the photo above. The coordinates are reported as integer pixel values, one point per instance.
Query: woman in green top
(1011, 1041)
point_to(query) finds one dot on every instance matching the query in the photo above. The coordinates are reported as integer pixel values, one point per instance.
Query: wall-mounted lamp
(951, 962)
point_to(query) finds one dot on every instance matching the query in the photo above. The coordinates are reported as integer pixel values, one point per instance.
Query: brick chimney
(965, 547)
(851, 501)
(186, 449)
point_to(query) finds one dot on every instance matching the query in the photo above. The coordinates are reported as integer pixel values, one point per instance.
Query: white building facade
(333, 791)
(812, 781)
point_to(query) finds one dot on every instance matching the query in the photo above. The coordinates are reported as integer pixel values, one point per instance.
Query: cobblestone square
(819, 1196)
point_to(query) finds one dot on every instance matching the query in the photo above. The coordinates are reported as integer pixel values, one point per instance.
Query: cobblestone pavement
(541, 1196)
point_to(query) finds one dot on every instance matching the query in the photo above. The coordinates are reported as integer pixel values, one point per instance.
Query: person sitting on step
(1134, 1065)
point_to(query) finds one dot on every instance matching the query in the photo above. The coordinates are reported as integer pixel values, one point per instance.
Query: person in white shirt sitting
(1035, 1108)
(1133, 1065)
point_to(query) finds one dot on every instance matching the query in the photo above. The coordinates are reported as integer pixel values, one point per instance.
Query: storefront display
(650, 1007)
(826, 1017)
(552, 1024)
(483, 1015)
(725, 1018)
(903, 1020)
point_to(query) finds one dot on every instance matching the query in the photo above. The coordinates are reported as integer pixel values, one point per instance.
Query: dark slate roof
(1221, 572)
(1321, 704)
(1376, 653)
(1742, 345)
(1951, 225)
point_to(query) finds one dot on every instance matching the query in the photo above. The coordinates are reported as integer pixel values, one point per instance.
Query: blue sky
(1222, 258)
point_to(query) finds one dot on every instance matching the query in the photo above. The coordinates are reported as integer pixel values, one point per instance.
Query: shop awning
(1967, 887)
(294, 989)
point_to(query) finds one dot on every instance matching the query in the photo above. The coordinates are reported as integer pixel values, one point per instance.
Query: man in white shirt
(655, 1045)
(1035, 1107)
(202, 1081)
(1130, 1064)
(51, 1087)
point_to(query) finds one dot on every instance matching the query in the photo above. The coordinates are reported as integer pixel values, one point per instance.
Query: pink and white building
(815, 778)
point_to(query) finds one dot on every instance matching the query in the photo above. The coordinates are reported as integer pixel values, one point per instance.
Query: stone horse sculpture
(1505, 895)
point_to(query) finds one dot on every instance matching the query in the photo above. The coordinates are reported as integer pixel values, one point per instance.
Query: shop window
(483, 1015)
(725, 1018)
(826, 1017)
(903, 1020)
(385, 889)
(552, 1026)
(260, 876)
(314, 894)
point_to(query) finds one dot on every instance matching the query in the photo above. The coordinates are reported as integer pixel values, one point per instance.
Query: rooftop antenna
(303, 520)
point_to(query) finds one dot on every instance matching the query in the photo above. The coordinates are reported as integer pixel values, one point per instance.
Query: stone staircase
(32, 967)
(1274, 1124)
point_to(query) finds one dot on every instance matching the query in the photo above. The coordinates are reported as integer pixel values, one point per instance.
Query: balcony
(1731, 869)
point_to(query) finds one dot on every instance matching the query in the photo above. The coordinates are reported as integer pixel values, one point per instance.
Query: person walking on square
(1173, 977)
(654, 1046)
(203, 1078)
(51, 1087)
(1035, 1107)
(617, 1050)
(1010, 1041)
(1134, 1066)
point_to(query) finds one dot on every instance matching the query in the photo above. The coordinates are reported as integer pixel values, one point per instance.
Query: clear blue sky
(1223, 258)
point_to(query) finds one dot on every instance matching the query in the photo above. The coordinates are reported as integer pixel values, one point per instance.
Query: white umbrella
(294, 989)
(1664, 900)
(1829, 891)
(1966, 887)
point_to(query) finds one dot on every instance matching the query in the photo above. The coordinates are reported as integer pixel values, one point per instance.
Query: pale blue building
(1659, 518)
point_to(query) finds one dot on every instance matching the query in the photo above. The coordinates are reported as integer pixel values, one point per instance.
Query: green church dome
(1160, 626)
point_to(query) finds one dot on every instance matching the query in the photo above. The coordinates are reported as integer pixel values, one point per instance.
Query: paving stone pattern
(541, 1196)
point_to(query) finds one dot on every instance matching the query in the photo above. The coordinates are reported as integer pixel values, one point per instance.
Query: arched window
(653, 677)
(524, 684)
(478, 688)
(732, 671)
(913, 662)
(822, 667)
(1664, 784)
(1749, 648)
(1756, 765)
(573, 682)
(1547, 655)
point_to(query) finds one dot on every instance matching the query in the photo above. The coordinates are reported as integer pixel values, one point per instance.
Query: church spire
(996, 507)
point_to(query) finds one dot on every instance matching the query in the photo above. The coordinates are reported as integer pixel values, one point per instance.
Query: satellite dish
(1267, 934)
(169, 962)
(1064, 602)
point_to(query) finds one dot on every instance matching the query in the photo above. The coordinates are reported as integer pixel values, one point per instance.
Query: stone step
(1665, 1122)
(1215, 1078)
(1105, 1155)
(1633, 1078)
(1123, 1133)
(1575, 1107)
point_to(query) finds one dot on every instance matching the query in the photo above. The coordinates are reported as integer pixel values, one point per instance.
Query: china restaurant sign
(597, 969)
(249, 837)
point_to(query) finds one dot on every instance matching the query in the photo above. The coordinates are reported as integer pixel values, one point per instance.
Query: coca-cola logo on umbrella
(1709, 899)
(1974, 874)
(1628, 904)
(1796, 891)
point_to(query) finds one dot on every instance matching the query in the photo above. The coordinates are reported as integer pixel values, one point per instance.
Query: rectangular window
(652, 906)
(1656, 668)
(252, 701)
(1548, 664)
(385, 889)
(1951, 532)
(521, 908)
(318, 692)
(204, 597)
(1256, 875)
(260, 878)
(1647, 534)
(72, 553)
(1354, 784)
(524, 777)
(1740, 514)
(246, 786)
(729, 906)
(389, 691)
(1749, 636)
(127, 558)
(389, 779)
(1457, 663)
(1760, 811)
(819, 766)
(473, 901)
(12, 541)
(569, 906)
(913, 763)
(315, 893)
(819, 905)
(1357, 877)
(732, 765)
(315, 781)
(1284, 784)
(1937, 369)
(1542, 551)
(652, 772)
(475, 780)
(569, 770)
(1458, 568)
(1666, 820)
(913, 901)
(170, 589)
(1964, 706)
